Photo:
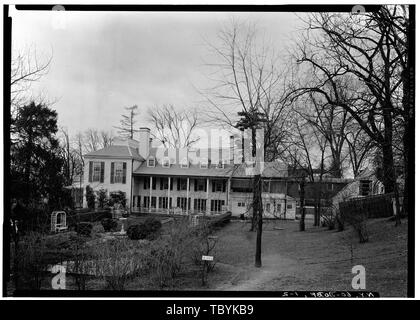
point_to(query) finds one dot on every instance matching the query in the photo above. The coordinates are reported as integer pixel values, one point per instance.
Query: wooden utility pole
(258, 206)
(302, 203)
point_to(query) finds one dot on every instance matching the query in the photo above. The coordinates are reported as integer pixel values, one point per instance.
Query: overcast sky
(105, 61)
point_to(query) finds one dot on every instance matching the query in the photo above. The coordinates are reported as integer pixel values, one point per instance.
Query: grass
(317, 259)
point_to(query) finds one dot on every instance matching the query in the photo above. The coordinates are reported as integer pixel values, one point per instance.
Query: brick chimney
(144, 142)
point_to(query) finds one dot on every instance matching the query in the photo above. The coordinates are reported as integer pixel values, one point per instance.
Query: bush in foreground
(84, 229)
(109, 224)
(146, 230)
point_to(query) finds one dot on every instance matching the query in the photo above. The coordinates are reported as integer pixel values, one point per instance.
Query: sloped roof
(116, 151)
(271, 170)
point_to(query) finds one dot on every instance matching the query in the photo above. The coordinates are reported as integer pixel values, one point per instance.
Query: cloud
(105, 61)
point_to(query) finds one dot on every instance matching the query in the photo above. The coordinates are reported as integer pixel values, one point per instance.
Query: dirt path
(317, 259)
(252, 278)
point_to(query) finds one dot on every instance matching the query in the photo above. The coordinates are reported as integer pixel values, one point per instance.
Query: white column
(150, 193)
(207, 196)
(188, 192)
(228, 194)
(169, 191)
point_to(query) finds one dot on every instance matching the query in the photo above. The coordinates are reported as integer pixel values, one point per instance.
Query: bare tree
(360, 148)
(107, 138)
(127, 123)
(359, 48)
(91, 140)
(247, 80)
(27, 67)
(174, 128)
(69, 155)
(307, 149)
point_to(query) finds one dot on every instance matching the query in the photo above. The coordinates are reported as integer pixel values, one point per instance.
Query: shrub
(169, 254)
(109, 224)
(84, 228)
(146, 230)
(358, 220)
(102, 198)
(29, 261)
(90, 197)
(120, 260)
(118, 197)
(152, 224)
(328, 218)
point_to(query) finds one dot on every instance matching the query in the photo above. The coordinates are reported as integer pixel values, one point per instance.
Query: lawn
(317, 259)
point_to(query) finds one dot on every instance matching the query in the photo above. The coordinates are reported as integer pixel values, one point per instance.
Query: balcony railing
(176, 211)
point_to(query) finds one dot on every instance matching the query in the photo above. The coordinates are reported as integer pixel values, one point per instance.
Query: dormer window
(184, 163)
(221, 165)
(204, 164)
(151, 162)
(166, 163)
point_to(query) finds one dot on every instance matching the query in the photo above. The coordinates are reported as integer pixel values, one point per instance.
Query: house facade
(187, 181)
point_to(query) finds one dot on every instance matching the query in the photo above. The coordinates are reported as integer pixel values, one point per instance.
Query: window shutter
(171, 186)
(90, 170)
(102, 171)
(195, 184)
(112, 172)
(224, 186)
(213, 185)
(161, 183)
(178, 186)
(124, 172)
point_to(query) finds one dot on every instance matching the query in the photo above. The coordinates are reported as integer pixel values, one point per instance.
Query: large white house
(184, 181)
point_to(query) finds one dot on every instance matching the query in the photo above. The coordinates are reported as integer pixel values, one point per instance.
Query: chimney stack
(144, 142)
(232, 150)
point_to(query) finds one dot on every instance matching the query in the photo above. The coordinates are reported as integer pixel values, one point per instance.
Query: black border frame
(7, 41)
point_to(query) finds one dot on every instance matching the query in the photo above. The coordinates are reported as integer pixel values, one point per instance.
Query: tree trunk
(390, 182)
(257, 190)
(408, 105)
(259, 225)
(302, 204)
(255, 201)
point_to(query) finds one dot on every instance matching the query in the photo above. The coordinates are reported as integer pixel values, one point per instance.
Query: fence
(377, 206)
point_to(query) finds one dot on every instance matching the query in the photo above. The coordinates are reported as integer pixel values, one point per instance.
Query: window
(200, 185)
(118, 172)
(267, 207)
(153, 205)
(204, 164)
(289, 206)
(330, 187)
(184, 163)
(164, 183)
(166, 163)
(163, 202)
(182, 184)
(241, 204)
(146, 202)
(151, 162)
(146, 183)
(221, 164)
(364, 187)
(200, 204)
(136, 201)
(181, 202)
(216, 205)
(218, 186)
(96, 171)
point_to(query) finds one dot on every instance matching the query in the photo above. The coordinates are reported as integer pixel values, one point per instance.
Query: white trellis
(58, 221)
